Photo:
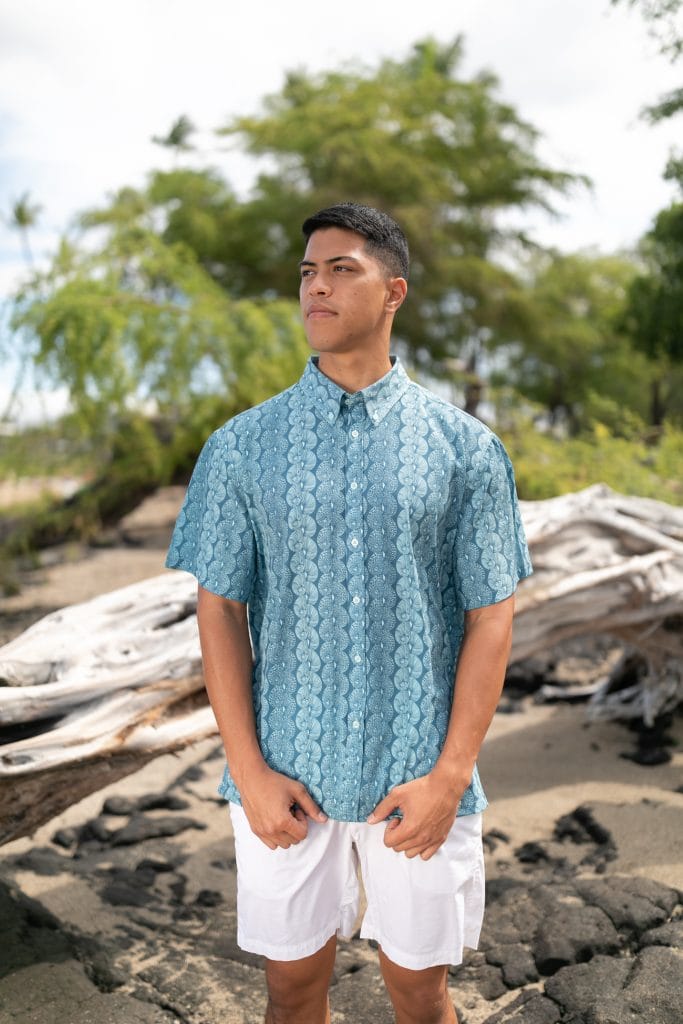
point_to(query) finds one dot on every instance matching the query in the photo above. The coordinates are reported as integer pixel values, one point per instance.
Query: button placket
(356, 580)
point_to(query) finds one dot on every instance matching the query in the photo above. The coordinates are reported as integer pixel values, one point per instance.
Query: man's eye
(340, 266)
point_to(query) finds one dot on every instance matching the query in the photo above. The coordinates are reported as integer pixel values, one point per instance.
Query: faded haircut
(384, 239)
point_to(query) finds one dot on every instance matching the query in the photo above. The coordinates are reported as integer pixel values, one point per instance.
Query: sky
(85, 85)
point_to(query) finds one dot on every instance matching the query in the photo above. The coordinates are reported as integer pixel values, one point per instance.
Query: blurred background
(157, 161)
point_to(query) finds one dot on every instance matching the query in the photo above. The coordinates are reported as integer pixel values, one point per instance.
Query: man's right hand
(268, 803)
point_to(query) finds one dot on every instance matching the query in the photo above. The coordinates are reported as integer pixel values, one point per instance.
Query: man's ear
(397, 289)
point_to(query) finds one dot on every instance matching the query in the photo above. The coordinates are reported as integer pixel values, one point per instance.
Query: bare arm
(267, 796)
(429, 804)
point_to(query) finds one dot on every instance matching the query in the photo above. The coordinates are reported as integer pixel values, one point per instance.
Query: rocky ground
(122, 910)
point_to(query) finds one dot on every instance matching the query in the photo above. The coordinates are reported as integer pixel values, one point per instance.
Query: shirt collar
(324, 396)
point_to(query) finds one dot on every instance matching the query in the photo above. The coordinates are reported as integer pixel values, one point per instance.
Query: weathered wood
(116, 680)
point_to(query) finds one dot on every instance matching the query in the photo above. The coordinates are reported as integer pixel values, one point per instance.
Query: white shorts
(421, 912)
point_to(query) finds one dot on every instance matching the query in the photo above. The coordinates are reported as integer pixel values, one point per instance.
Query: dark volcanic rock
(181, 981)
(42, 860)
(527, 1008)
(513, 915)
(161, 802)
(668, 935)
(124, 806)
(121, 805)
(489, 981)
(159, 866)
(493, 837)
(129, 888)
(474, 970)
(580, 826)
(30, 933)
(141, 827)
(96, 828)
(579, 987)
(362, 996)
(632, 904)
(611, 990)
(66, 837)
(531, 853)
(209, 898)
(572, 934)
(516, 964)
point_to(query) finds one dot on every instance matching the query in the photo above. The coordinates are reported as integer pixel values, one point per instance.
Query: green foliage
(654, 314)
(414, 136)
(439, 151)
(576, 361)
(140, 325)
(178, 136)
(663, 23)
(546, 466)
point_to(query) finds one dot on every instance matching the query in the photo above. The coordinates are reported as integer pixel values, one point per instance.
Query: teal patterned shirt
(359, 528)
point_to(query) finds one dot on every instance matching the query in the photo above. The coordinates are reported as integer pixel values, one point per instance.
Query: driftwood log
(90, 693)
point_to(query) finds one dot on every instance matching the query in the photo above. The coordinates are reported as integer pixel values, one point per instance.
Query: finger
(392, 825)
(416, 843)
(268, 842)
(430, 851)
(296, 828)
(284, 840)
(308, 804)
(384, 808)
(398, 834)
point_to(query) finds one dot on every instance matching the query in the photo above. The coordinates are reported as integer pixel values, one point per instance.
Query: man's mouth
(319, 313)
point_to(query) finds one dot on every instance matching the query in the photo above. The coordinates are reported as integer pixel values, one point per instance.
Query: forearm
(227, 660)
(478, 684)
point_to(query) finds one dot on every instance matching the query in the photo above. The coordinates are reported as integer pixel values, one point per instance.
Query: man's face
(344, 292)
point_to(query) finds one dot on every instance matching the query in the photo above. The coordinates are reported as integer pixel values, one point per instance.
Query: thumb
(383, 808)
(308, 804)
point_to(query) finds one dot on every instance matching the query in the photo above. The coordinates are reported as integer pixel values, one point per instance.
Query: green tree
(665, 26)
(455, 164)
(154, 355)
(178, 136)
(577, 361)
(440, 151)
(654, 310)
(24, 216)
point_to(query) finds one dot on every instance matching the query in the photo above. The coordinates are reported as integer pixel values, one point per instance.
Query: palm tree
(25, 216)
(177, 138)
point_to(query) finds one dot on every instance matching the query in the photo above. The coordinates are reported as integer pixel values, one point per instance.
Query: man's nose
(320, 285)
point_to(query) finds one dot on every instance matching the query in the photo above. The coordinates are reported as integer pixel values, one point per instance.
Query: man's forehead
(332, 242)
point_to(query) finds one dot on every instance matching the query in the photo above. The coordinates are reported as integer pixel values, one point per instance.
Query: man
(357, 543)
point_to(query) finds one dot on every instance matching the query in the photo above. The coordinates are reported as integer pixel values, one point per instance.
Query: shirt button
(353, 485)
(354, 542)
(357, 658)
(356, 599)
(354, 433)
(355, 724)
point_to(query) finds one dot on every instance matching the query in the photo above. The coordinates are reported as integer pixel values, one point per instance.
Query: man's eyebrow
(333, 259)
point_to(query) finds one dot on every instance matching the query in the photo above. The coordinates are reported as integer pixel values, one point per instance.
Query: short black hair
(384, 239)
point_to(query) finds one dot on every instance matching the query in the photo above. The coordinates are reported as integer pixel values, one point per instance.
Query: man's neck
(351, 372)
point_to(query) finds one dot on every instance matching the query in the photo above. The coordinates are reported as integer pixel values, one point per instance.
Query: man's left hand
(429, 805)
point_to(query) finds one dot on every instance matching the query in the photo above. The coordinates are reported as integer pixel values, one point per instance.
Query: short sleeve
(491, 553)
(213, 538)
